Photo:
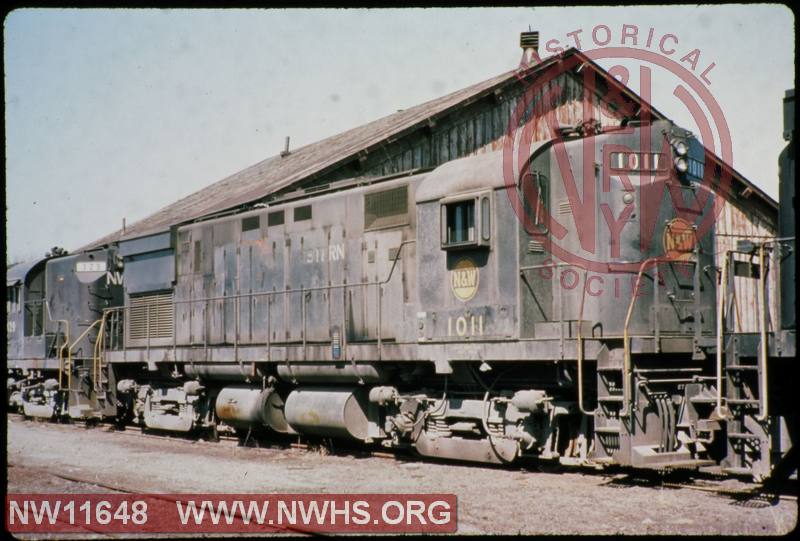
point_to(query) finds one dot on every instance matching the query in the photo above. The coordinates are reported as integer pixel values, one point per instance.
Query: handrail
(721, 330)
(305, 289)
(99, 344)
(61, 359)
(763, 323)
(69, 351)
(626, 358)
(580, 349)
(579, 336)
(66, 341)
(288, 291)
(764, 345)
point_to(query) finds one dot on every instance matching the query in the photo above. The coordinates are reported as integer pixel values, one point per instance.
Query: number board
(638, 161)
(90, 266)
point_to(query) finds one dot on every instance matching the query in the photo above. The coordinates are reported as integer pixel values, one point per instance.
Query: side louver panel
(149, 316)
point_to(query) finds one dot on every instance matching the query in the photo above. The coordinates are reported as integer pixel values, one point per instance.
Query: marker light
(681, 165)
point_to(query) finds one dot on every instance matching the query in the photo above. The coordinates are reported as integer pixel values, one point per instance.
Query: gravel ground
(490, 500)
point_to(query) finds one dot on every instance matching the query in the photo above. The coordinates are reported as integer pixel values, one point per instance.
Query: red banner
(231, 513)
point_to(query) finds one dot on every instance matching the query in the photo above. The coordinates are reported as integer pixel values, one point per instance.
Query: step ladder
(742, 376)
(608, 417)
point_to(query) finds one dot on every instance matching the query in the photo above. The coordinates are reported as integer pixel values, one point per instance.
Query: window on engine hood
(12, 299)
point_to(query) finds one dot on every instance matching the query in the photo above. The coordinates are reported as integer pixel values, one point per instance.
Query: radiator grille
(158, 309)
(386, 208)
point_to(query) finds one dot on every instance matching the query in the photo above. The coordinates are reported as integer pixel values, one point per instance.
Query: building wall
(739, 221)
(477, 127)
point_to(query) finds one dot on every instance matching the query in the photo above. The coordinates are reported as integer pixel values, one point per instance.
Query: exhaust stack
(529, 42)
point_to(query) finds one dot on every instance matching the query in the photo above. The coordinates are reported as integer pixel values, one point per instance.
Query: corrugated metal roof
(278, 173)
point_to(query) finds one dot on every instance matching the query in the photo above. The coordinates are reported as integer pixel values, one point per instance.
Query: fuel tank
(334, 412)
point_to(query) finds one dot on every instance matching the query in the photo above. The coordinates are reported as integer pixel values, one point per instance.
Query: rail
(579, 336)
(763, 413)
(72, 346)
(304, 292)
(626, 336)
(626, 339)
(580, 349)
(99, 348)
(763, 321)
(66, 340)
(723, 295)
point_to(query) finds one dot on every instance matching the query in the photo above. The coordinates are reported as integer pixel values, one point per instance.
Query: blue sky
(116, 113)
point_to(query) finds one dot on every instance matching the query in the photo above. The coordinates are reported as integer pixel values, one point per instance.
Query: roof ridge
(277, 172)
(409, 113)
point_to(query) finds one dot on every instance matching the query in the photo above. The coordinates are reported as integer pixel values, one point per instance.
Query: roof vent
(529, 42)
(285, 151)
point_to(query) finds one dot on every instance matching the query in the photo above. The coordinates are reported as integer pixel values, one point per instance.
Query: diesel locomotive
(459, 312)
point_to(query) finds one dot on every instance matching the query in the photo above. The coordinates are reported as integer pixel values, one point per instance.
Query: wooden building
(472, 120)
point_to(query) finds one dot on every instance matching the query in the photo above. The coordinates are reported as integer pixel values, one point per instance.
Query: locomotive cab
(54, 307)
(25, 313)
(565, 280)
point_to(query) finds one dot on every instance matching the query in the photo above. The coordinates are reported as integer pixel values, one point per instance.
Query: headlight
(680, 148)
(681, 165)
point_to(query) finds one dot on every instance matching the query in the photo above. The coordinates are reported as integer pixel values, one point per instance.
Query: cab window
(12, 300)
(461, 222)
(466, 221)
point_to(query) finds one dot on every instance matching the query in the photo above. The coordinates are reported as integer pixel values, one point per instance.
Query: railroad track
(621, 477)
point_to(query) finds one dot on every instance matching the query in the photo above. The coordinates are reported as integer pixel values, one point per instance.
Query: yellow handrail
(99, 344)
(69, 351)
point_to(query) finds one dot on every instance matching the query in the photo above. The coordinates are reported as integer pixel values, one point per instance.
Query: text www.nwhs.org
(402, 513)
